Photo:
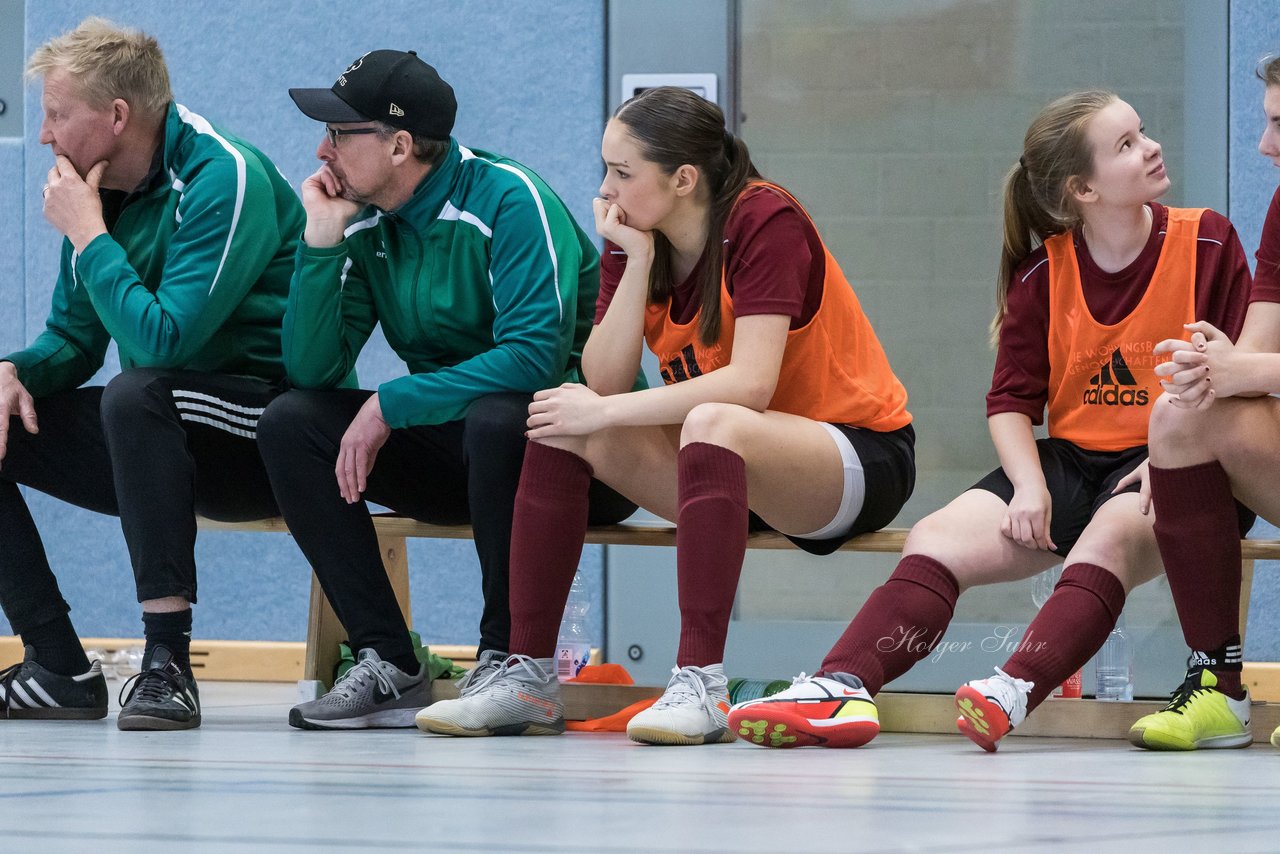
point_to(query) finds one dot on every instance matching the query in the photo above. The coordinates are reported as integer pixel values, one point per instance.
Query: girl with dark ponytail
(779, 409)
(1092, 274)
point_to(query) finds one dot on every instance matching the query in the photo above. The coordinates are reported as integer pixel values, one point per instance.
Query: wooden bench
(324, 631)
(899, 712)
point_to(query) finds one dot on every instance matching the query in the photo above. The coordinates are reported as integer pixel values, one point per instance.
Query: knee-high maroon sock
(900, 623)
(1198, 532)
(711, 542)
(547, 532)
(1071, 626)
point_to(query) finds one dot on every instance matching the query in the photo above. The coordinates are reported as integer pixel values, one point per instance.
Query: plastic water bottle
(1114, 667)
(1045, 582)
(117, 663)
(574, 648)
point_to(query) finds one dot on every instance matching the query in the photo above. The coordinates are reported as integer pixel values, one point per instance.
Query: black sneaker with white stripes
(28, 691)
(162, 697)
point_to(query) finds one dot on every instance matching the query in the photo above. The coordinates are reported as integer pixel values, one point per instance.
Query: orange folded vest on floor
(608, 674)
(616, 722)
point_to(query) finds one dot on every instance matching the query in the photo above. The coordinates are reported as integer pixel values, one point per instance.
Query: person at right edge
(1215, 441)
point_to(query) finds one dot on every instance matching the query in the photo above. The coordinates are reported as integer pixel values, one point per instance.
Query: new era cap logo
(1106, 385)
(395, 110)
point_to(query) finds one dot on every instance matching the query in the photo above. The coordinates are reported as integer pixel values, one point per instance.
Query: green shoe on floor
(1198, 717)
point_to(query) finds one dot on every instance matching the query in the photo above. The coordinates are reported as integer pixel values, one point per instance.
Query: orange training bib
(833, 368)
(1102, 381)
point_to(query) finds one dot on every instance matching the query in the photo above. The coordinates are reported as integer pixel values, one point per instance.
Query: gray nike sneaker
(374, 693)
(520, 697)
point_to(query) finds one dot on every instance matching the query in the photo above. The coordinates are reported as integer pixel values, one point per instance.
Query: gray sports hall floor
(247, 782)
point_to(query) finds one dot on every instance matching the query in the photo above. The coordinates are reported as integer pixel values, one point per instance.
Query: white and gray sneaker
(489, 661)
(521, 696)
(374, 693)
(990, 708)
(693, 710)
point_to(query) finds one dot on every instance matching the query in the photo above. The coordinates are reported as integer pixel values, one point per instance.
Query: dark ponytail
(674, 127)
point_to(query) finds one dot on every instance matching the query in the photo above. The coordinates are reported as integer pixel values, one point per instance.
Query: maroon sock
(711, 542)
(1073, 624)
(900, 623)
(1198, 532)
(547, 532)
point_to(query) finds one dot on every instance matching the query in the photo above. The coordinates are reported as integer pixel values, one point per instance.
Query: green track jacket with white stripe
(482, 281)
(193, 272)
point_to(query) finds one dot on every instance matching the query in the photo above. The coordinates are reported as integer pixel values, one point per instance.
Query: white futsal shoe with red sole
(816, 711)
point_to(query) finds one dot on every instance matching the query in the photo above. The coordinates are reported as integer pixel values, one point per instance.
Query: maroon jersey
(1266, 277)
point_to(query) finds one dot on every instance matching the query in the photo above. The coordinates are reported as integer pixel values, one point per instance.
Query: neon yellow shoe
(1199, 716)
(1275, 738)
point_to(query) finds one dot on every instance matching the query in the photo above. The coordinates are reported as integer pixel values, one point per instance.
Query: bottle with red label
(1072, 689)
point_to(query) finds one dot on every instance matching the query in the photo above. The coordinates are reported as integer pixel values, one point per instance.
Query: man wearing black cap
(485, 287)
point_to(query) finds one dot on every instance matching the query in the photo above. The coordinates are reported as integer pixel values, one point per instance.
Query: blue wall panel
(11, 278)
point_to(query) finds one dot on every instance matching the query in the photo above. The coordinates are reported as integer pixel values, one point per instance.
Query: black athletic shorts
(889, 473)
(1080, 482)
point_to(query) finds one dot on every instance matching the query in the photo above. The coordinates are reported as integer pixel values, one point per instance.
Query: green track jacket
(482, 282)
(193, 273)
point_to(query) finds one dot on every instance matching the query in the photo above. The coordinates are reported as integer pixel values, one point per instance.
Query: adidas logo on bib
(1114, 385)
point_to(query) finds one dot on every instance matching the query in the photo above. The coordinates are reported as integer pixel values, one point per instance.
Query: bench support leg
(325, 632)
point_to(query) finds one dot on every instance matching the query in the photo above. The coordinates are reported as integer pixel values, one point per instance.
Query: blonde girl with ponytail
(1092, 273)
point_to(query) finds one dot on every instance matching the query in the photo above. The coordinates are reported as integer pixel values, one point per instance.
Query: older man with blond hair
(178, 245)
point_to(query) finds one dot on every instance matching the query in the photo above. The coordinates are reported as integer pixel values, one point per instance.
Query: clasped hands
(1199, 369)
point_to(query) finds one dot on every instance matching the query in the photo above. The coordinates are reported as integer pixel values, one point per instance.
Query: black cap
(389, 86)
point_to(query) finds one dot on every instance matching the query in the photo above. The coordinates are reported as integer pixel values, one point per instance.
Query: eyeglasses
(333, 133)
